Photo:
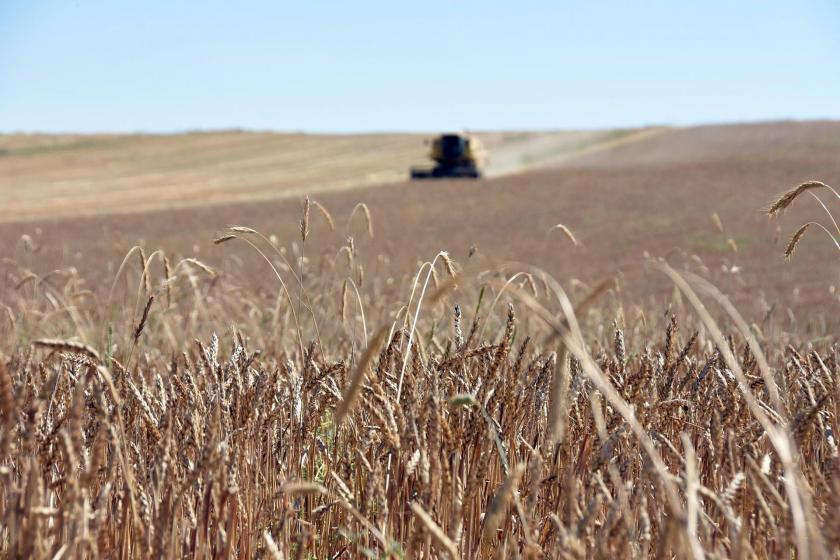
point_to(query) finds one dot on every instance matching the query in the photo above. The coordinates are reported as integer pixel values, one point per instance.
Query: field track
(655, 195)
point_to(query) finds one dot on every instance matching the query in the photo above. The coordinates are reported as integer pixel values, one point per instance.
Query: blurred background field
(693, 195)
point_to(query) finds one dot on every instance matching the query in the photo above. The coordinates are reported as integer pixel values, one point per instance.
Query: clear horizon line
(326, 132)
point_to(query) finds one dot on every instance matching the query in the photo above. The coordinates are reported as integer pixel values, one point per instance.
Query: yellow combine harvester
(456, 156)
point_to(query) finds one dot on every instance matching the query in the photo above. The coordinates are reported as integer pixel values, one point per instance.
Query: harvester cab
(456, 156)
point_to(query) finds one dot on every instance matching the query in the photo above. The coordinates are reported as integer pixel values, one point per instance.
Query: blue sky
(97, 65)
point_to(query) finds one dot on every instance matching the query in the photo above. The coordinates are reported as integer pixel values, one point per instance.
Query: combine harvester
(456, 157)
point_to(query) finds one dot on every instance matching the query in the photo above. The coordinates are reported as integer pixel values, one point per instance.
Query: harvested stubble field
(48, 176)
(311, 393)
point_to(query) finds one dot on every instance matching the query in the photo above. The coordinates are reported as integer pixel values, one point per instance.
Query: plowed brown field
(653, 196)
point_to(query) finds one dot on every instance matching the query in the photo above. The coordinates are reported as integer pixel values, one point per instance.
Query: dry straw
(304, 221)
(67, 346)
(732, 244)
(500, 502)
(273, 550)
(144, 268)
(7, 396)
(448, 264)
(167, 272)
(439, 536)
(566, 232)
(243, 229)
(201, 266)
(718, 223)
(366, 213)
(325, 213)
(354, 389)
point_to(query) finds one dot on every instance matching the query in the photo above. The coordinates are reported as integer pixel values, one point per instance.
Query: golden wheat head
(794, 241)
(786, 198)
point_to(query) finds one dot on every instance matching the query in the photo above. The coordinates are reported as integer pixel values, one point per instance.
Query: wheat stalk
(566, 232)
(304, 221)
(440, 537)
(366, 213)
(325, 213)
(67, 346)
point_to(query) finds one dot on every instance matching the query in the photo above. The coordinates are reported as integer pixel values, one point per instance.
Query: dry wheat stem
(366, 212)
(350, 395)
(566, 232)
(440, 537)
(325, 213)
(826, 210)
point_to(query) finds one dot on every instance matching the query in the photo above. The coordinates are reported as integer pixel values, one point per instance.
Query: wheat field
(451, 413)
